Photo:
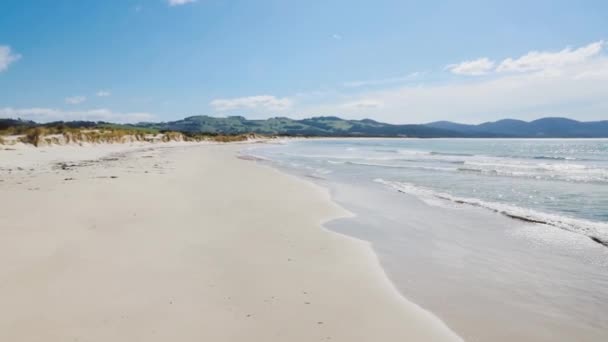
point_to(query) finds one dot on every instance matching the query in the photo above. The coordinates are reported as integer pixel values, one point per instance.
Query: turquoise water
(560, 182)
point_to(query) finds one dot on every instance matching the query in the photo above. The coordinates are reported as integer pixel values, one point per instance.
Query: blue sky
(396, 61)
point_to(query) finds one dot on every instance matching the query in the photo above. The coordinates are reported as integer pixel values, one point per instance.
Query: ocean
(501, 238)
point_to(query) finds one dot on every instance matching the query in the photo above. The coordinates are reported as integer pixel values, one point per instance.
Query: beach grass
(60, 134)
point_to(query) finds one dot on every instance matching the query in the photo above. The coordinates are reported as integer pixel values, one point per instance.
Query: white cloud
(336, 36)
(535, 60)
(475, 67)
(264, 102)
(363, 104)
(7, 57)
(75, 100)
(383, 81)
(532, 61)
(571, 83)
(597, 74)
(103, 93)
(179, 2)
(49, 114)
(578, 90)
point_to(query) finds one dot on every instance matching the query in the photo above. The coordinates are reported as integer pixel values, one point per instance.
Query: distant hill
(331, 126)
(326, 126)
(541, 128)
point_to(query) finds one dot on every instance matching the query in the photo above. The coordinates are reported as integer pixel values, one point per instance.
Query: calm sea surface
(561, 182)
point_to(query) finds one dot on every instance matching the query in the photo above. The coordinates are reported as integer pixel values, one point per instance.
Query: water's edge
(374, 256)
(469, 321)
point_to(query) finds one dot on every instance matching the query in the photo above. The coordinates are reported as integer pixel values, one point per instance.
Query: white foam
(592, 229)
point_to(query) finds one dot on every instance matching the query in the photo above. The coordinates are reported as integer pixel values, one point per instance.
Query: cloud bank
(532, 61)
(569, 82)
(75, 100)
(179, 2)
(103, 93)
(535, 60)
(475, 67)
(383, 81)
(7, 57)
(49, 114)
(260, 102)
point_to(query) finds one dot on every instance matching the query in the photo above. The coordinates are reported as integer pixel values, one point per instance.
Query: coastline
(486, 275)
(188, 243)
(365, 246)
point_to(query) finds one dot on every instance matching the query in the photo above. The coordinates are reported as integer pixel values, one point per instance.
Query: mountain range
(327, 126)
(334, 126)
(541, 128)
(331, 126)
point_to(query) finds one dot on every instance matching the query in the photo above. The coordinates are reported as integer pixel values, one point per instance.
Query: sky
(393, 61)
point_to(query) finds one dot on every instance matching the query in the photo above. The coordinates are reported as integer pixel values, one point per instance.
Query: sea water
(502, 238)
(563, 183)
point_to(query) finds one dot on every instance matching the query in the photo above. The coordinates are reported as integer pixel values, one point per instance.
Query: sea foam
(597, 231)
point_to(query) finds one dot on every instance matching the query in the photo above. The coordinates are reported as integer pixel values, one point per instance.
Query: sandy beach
(186, 243)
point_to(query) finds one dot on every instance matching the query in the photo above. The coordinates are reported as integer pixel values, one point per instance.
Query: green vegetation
(197, 128)
(235, 128)
(188, 136)
(325, 126)
(29, 132)
(331, 126)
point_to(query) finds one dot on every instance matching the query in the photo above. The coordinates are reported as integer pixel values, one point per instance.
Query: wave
(543, 157)
(392, 166)
(334, 162)
(401, 151)
(248, 155)
(561, 172)
(342, 156)
(470, 169)
(384, 150)
(555, 172)
(596, 231)
(589, 177)
(540, 167)
(433, 153)
(555, 158)
(504, 156)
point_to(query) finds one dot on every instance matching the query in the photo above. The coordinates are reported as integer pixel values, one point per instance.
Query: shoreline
(474, 269)
(486, 275)
(365, 245)
(256, 271)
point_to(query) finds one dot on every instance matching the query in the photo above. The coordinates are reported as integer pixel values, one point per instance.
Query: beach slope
(185, 244)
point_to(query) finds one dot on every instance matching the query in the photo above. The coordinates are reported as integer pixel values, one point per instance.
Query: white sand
(185, 244)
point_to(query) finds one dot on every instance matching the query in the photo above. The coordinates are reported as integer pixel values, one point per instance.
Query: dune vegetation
(61, 133)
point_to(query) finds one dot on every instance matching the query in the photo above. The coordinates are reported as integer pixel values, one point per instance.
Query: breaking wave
(596, 231)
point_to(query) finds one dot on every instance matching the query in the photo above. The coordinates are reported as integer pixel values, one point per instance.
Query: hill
(331, 126)
(327, 126)
(541, 128)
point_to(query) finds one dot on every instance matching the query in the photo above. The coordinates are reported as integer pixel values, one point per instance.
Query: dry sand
(184, 244)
